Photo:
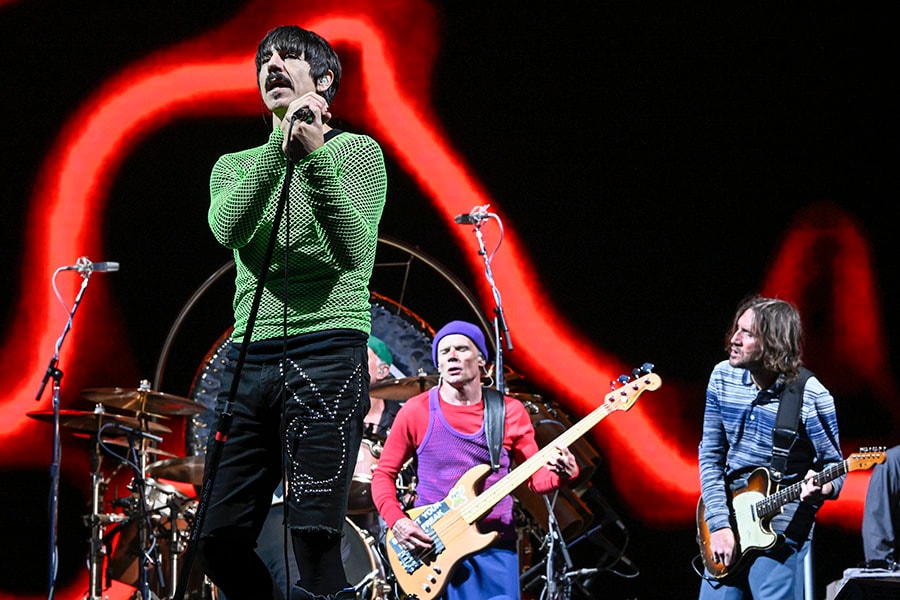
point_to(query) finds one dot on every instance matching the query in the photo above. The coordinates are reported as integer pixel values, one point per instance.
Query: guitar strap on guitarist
(494, 423)
(787, 422)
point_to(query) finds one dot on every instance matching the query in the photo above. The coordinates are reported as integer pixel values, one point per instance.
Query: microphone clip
(476, 216)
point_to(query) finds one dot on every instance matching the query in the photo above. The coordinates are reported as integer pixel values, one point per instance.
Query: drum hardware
(559, 578)
(137, 433)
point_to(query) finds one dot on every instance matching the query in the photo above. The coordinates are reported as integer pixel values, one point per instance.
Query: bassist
(444, 430)
(739, 435)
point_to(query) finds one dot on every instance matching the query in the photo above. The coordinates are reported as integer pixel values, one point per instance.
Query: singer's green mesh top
(337, 195)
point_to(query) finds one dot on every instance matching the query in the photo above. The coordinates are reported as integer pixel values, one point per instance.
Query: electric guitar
(452, 522)
(754, 506)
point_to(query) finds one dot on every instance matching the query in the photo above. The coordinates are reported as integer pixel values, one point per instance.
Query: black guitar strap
(786, 423)
(494, 423)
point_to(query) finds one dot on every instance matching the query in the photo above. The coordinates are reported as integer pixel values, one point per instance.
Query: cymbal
(143, 401)
(123, 443)
(403, 389)
(82, 420)
(188, 469)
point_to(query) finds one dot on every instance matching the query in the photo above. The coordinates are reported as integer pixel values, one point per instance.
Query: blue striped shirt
(737, 436)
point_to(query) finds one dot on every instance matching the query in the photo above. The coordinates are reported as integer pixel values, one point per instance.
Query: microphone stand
(555, 540)
(501, 329)
(225, 418)
(53, 372)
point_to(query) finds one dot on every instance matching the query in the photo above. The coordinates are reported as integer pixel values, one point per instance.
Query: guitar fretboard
(770, 504)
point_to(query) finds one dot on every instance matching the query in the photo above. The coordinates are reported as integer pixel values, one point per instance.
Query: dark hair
(779, 331)
(313, 48)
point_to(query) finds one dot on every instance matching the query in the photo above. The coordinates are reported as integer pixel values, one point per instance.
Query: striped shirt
(737, 436)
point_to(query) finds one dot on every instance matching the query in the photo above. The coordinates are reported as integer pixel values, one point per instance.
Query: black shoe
(882, 564)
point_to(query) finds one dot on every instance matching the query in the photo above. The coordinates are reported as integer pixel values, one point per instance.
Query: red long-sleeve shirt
(409, 430)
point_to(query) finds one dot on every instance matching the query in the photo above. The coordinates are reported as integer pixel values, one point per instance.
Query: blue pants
(774, 575)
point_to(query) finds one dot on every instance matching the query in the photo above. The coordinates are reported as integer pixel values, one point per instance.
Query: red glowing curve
(656, 470)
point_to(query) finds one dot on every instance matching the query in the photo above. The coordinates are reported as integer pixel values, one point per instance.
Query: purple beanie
(470, 330)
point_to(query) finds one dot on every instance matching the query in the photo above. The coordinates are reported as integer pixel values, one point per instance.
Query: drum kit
(141, 540)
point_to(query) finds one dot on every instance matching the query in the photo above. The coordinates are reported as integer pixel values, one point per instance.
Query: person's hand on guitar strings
(409, 535)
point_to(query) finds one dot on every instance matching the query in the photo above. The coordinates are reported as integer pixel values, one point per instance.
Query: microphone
(86, 267)
(303, 114)
(474, 217)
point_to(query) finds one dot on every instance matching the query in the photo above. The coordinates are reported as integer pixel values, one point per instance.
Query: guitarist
(742, 403)
(443, 430)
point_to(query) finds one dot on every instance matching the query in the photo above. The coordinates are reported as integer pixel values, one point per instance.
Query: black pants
(299, 416)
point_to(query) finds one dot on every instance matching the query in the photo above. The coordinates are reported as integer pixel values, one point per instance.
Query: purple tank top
(446, 454)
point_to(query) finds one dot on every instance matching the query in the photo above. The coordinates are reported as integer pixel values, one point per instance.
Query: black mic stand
(224, 423)
(54, 373)
(500, 328)
(555, 589)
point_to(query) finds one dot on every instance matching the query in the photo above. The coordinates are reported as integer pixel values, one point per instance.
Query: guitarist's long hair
(778, 328)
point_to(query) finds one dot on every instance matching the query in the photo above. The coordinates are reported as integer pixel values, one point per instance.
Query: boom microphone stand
(225, 418)
(477, 217)
(84, 267)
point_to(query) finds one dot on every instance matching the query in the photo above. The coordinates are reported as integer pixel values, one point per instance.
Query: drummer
(270, 544)
(380, 417)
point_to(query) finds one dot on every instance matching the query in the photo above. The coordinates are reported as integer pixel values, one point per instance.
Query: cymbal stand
(97, 521)
(149, 549)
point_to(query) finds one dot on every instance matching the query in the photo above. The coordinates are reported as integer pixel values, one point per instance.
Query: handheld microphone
(86, 267)
(303, 114)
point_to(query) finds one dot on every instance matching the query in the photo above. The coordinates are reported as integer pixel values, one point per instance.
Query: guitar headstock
(629, 388)
(866, 458)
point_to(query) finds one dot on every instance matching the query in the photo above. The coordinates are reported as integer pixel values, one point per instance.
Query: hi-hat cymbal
(403, 389)
(82, 420)
(188, 469)
(143, 401)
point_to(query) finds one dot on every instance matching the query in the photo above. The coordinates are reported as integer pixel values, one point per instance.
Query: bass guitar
(452, 522)
(754, 505)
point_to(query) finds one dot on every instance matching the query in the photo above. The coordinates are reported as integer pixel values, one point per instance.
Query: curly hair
(779, 331)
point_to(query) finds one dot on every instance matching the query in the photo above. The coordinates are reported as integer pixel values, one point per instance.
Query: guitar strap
(786, 423)
(494, 422)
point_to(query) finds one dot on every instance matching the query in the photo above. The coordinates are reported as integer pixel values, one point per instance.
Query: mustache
(276, 77)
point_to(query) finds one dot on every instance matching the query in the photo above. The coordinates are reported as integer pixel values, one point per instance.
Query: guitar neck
(491, 496)
(773, 503)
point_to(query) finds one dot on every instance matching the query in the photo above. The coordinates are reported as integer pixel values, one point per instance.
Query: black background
(666, 146)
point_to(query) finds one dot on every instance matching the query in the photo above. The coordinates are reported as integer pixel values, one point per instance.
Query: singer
(303, 390)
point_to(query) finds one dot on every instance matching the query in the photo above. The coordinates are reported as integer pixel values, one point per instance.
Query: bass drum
(363, 563)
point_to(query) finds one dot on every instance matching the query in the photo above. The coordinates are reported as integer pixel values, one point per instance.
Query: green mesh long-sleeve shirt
(337, 195)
